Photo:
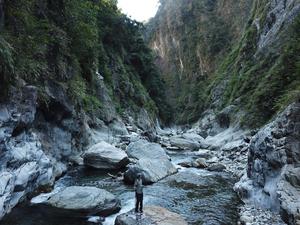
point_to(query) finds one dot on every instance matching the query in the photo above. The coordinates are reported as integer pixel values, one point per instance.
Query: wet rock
(80, 201)
(152, 215)
(199, 163)
(151, 160)
(185, 164)
(105, 156)
(216, 167)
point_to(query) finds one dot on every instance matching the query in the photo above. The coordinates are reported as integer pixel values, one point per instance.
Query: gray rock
(80, 201)
(199, 163)
(105, 156)
(144, 149)
(152, 215)
(26, 173)
(273, 162)
(216, 167)
(118, 127)
(144, 121)
(151, 160)
(183, 143)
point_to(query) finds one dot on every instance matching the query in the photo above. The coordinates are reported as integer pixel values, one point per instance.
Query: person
(138, 187)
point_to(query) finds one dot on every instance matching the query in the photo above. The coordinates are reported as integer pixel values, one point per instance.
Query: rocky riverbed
(187, 174)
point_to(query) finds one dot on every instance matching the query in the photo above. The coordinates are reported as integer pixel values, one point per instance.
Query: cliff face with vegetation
(71, 72)
(218, 53)
(86, 49)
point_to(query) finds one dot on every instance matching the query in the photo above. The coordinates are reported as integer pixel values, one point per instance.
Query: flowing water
(201, 197)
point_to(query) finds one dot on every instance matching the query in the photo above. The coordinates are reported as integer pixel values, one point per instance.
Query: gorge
(203, 100)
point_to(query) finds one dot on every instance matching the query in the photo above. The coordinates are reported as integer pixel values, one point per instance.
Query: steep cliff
(190, 39)
(237, 66)
(218, 53)
(71, 73)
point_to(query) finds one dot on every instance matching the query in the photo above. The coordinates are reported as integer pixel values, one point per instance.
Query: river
(201, 197)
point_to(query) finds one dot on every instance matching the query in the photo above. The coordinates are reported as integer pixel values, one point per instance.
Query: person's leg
(141, 203)
(136, 202)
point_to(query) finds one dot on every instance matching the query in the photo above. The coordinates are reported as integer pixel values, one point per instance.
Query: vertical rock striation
(273, 171)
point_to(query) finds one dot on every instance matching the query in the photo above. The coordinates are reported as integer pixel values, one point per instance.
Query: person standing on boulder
(138, 187)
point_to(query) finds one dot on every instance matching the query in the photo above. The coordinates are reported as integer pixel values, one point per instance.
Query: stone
(199, 163)
(26, 173)
(216, 167)
(118, 128)
(184, 144)
(79, 202)
(152, 215)
(185, 164)
(273, 165)
(151, 160)
(105, 156)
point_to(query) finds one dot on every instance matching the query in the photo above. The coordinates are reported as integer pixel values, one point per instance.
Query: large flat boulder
(151, 160)
(184, 144)
(79, 201)
(153, 215)
(105, 156)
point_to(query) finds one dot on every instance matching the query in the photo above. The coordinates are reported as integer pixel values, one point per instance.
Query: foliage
(72, 42)
(6, 66)
(265, 82)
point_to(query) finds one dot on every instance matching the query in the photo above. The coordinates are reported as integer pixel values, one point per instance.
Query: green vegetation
(73, 43)
(6, 66)
(212, 58)
(264, 81)
(195, 37)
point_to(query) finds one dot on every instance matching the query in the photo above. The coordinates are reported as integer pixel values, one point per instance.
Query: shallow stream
(201, 197)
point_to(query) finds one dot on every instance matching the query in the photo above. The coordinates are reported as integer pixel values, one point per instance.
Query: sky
(140, 10)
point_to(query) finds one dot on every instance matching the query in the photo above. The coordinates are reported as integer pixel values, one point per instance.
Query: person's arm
(135, 185)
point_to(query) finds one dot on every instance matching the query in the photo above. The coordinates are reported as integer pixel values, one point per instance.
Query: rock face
(177, 38)
(151, 160)
(105, 156)
(272, 178)
(81, 201)
(152, 215)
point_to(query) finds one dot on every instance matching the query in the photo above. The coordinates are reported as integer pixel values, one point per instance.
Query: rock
(152, 215)
(184, 143)
(193, 137)
(216, 167)
(118, 127)
(151, 160)
(26, 173)
(202, 153)
(199, 163)
(185, 164)
(273, 165)
(144, 149)
(80, 201)
(105, 156)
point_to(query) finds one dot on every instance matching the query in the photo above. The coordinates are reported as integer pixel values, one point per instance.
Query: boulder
(118, 127)
(183, 143)
(273, 165)
(152, 215)
(144, 149)
(151, 160)
(199, 163)
(105, 156)
(79, 201)
(216, 167)
(185, 164)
